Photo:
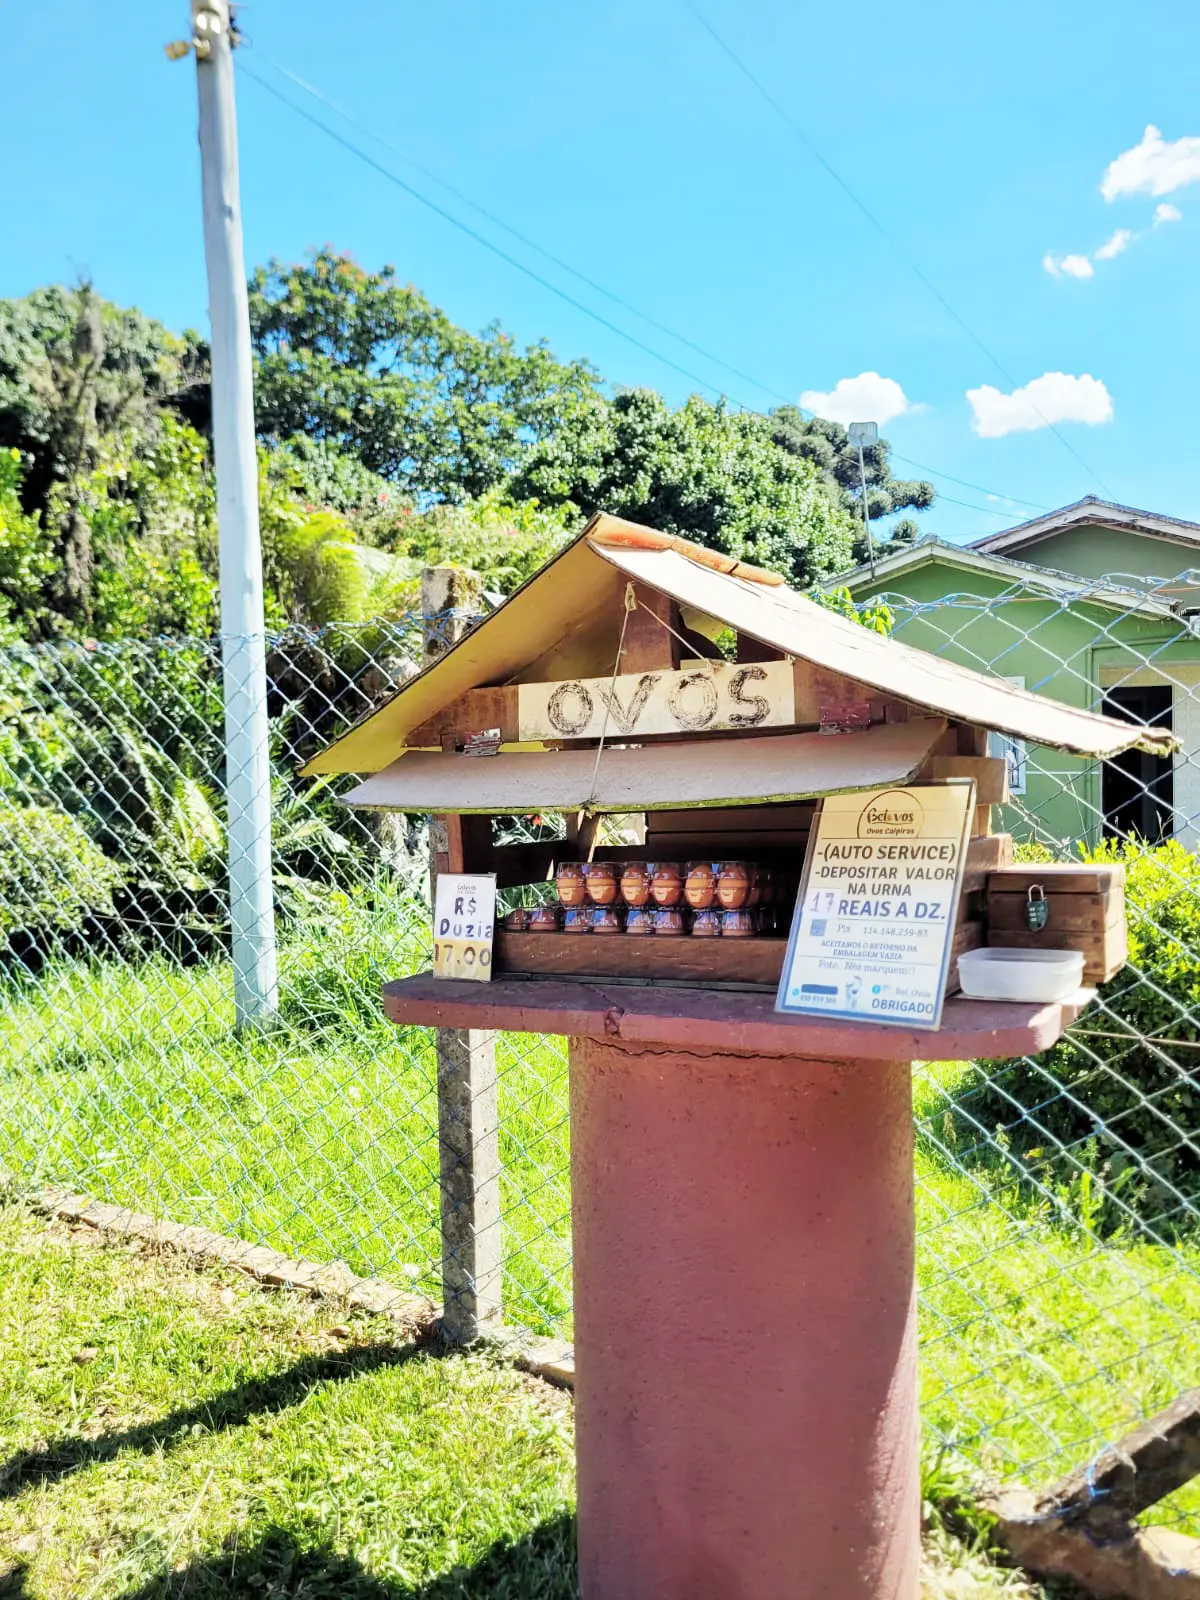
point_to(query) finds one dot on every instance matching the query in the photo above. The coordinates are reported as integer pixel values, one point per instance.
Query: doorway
(1137, 791)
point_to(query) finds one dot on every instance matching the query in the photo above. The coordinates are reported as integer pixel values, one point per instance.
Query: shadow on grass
(256, 1397)
(541, 1566)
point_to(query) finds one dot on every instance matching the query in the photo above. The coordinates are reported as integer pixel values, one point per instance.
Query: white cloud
(867, 398)
(1077, 267)
(1167, 213)
(1155, 167)
(1121, 240)
(1052, 398)
(1073, 266)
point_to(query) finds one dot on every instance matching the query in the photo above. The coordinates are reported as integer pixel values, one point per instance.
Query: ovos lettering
(692, 698)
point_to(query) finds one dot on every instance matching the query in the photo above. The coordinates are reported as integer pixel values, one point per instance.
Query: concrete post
(745, 1337)
(243, 633)
(468, 1117)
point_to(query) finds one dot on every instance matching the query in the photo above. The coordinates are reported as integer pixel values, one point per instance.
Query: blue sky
(619, 135)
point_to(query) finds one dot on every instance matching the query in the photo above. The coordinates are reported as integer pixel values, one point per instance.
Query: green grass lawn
(171, 1430)
(166, 1430)
(1039, 1340)
(318, 1137)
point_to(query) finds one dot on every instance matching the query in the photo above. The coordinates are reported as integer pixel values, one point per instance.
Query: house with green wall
(1096, 605)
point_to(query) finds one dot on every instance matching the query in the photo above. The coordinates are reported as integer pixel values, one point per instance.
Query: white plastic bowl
(1035, 975)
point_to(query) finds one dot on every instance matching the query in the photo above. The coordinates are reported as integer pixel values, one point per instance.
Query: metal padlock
(1037, 908)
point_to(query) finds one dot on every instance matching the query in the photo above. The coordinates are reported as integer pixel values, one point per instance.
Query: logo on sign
(895, 814)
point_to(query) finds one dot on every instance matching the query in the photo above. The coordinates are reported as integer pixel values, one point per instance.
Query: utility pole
(865, 433)
(243, 631)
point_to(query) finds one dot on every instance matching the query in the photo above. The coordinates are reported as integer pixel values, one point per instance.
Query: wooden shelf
(648, 959)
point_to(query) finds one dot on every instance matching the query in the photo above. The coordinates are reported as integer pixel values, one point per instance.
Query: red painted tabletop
(723, 1020)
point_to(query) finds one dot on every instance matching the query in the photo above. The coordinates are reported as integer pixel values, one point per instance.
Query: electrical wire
(936, 472)
(565, 266)
(473, 233)
(988, 511)
(799, 134)
(522, 238)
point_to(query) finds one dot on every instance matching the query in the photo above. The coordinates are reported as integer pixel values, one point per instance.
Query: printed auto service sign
(874, 922)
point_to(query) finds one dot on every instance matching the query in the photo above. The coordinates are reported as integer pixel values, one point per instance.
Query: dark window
(1137, 790)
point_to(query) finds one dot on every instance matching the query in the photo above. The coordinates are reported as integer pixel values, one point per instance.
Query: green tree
(149, 507)
(702, 470)
(362, 362)
(827, 445)
(76, 371)
(320, 474)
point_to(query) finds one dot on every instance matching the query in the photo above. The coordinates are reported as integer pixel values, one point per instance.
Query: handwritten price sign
(464, 921)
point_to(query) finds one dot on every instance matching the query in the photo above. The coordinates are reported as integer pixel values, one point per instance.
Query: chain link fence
(1058, 1197)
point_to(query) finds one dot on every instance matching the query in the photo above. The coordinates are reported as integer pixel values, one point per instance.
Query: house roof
(565, 622)
(1093, 513)
(971, 558)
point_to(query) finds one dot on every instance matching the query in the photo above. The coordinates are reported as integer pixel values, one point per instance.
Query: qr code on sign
(818, 927)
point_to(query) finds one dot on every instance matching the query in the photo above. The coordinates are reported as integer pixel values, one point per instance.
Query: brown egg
(701, 884)
(733, 884)
(570, 882)
(666, 882)
(635, 883)
(601, 879)
(706, 923)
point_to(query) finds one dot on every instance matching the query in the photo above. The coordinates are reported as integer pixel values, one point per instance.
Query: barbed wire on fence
(1058, 1197)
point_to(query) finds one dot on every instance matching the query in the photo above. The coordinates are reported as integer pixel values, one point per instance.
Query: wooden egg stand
(742, 1181)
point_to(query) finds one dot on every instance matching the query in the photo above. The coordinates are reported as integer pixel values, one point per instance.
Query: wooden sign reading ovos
(705, 699)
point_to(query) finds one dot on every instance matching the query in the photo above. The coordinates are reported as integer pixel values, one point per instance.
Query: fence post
(468, 1120)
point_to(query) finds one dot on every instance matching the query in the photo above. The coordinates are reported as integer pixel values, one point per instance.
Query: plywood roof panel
(565, 622)
(797, 625)
(785, 767)
(536, 622)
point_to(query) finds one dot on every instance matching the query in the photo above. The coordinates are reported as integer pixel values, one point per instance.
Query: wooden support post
(649, 645)
(468, 1119)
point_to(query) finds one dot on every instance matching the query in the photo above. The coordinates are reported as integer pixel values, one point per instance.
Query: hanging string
(630, 607)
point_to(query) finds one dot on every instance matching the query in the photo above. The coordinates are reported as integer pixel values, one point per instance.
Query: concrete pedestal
(745, 1344)
(745, 1336)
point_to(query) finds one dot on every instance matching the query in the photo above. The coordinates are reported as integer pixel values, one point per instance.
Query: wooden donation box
(752, 785)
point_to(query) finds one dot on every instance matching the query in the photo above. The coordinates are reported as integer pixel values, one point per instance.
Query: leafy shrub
(25, 556)
(1121, 1092)
(52, 876)
(874, 614)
